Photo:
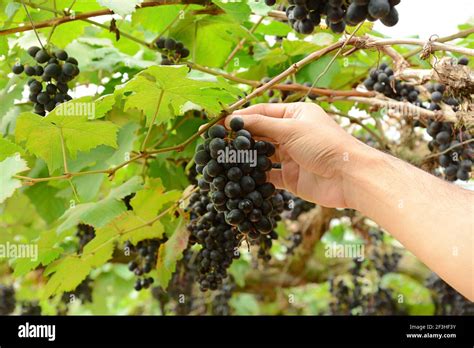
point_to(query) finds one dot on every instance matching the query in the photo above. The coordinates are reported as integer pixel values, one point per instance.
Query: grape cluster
(54, 71)
(85, 233)
(382, 80)
(305, 15)
(219, 240)
(7, 300)
(30, 308)
(383, 257)
(220, 302)
(234, 201)
(447, 300)
(172, 51)
(238, 190)
(82, 292)
(457, 162)
(350, 296)
(145, 261)
(340, 291)
(265, 243)
(181, 286)
(298, 206)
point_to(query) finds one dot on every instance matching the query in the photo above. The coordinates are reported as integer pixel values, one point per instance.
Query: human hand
(314, 151)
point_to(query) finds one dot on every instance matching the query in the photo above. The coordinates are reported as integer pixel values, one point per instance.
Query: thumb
(262, 126)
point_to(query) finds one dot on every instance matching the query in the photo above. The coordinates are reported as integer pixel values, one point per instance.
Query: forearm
(431, 218)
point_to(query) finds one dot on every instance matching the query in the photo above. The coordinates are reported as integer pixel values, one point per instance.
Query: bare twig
(355, 120)
(434, 155)
(433, 45)
(402, 107)
(448, 38)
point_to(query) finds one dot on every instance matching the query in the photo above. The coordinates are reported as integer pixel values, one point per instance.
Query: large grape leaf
(42, 135)
(146, 204)
(151, 199)
(144, 90)
(8, 168)
(100, 213)
(134, 228)
(170, 253)
(70, 271)
(63, 279)
(48, 251)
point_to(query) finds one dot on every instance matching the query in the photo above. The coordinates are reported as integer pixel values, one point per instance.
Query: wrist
(358, 171)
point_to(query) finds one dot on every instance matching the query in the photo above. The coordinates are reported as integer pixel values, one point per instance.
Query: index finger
(277, 110)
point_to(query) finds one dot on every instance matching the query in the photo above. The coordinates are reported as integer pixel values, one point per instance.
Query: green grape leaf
(239, 11)
(7, 149)
(100, 213)
(135, 229)
(363, 30)
(149, 201)
(103, 243)
(47, 253)
(69, 32)
(47, 202)
(95, 253)
(296, 48)
(103, 105)
(120, 7)
(176, 90)
(170, 253)
(259, 8)
(63, 278)
(42, 135)
(147, 18)
(8, 168)
(273, 28)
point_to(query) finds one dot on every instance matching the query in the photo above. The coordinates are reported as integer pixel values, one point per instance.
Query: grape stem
(434, 155)
(152, 122)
